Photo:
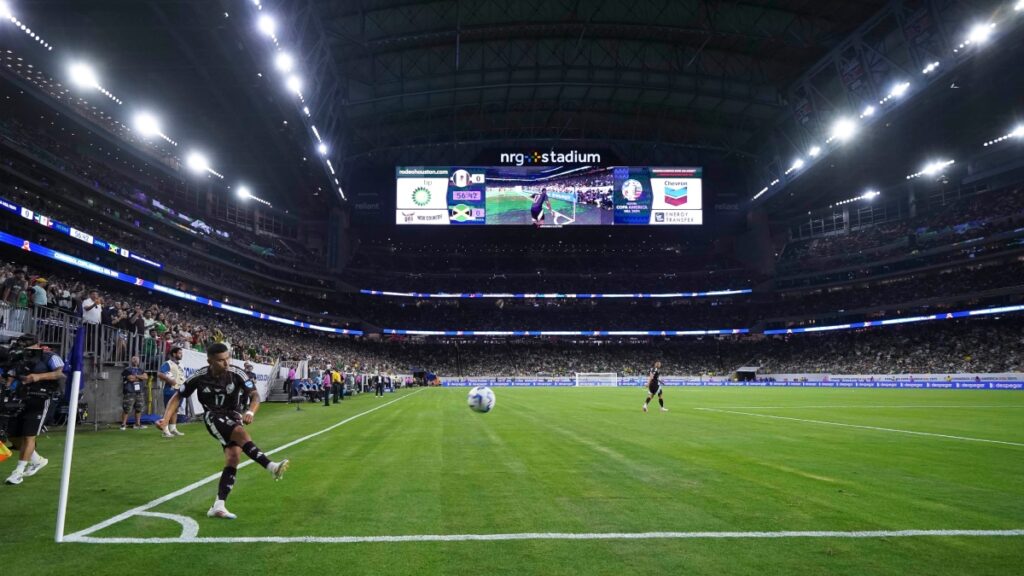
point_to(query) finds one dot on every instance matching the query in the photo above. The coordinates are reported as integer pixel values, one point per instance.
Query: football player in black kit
(223, 390)
(654, 387)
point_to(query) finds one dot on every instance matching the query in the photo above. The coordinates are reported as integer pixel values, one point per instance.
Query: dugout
(746, 373)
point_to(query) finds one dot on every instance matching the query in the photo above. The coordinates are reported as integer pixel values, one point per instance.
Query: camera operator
(33, 376)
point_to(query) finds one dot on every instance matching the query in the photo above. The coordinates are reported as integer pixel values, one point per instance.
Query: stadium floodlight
(322, 149)
(83, 75)
(294, 84)
(5, 10)
(147, 124)
(899, 89)
(980, 33)
(797, 164)
(869, 111)
(932, 168)
(284, 62)
(870, 195)
(843, 129)
(197, 162)
(1019, 7)
(1017, 132)
(244, 193)
(815, 151)
(266, 24)
(931, 67)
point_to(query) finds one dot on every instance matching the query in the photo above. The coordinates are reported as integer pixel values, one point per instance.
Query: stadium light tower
(322, 149)
(294, 84)
(244, 193)
(83, 75)
(5, 10)
(814, 151)
(1019, 130)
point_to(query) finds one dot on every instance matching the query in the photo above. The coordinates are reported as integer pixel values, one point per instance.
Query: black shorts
(220, 426)
(654, 388)
(30, 422)
(535, 212)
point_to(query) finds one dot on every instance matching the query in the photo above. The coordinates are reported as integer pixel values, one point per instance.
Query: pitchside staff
(654, 387)
(33, 384)
(222, 390)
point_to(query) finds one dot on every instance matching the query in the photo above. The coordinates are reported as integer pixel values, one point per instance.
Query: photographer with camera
(133, 395)
(33, 377)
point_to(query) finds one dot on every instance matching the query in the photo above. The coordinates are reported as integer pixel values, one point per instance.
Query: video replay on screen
(548, 196)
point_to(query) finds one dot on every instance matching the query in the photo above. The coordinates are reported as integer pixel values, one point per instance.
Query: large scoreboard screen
(548, 196)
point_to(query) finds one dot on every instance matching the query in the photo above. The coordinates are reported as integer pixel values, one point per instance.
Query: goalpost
(597, 379)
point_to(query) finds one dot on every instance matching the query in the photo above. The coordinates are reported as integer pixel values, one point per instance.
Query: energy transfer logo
(421, 196)
(549, 157)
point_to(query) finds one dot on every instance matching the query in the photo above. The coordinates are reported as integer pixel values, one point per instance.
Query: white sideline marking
(154, 503)
(546, 536)
(880, 429)
(965, 406)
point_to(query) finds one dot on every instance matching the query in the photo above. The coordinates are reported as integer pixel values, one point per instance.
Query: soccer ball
(481, 399)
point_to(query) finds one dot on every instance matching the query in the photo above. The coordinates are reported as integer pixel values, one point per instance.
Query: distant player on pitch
(537, 210)
(222, 390)
(654, 387)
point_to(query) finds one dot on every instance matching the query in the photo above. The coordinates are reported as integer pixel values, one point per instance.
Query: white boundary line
(77, 536)
(877, 428)
(552, 536)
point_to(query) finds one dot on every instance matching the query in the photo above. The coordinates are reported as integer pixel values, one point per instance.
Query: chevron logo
(675, 196)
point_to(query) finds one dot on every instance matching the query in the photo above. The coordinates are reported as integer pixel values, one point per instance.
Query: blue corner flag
(76, 362)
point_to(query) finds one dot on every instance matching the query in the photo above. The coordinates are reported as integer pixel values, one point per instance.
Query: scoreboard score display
(556, 196)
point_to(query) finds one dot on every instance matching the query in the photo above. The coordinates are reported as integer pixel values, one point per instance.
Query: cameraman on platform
(32, 379)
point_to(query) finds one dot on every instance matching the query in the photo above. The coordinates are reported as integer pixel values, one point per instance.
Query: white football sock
(36, 458)
(21, 466)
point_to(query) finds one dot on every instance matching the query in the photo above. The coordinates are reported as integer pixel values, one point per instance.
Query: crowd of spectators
(55, 142)
(943, 347)
(955, 222)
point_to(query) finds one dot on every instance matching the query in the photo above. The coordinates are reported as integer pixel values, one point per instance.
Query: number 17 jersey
(227, 393)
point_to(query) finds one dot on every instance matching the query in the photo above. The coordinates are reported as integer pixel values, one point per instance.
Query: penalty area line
(77, 536)
(552, 536)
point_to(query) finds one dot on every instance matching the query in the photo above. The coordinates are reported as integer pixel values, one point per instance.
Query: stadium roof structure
(668, 81)
(199, 67)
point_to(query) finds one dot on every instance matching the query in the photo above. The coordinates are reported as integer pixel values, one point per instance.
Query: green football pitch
(515, 209)
(554, 481)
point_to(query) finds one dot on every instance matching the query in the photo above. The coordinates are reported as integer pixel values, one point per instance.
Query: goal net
(597, 379)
